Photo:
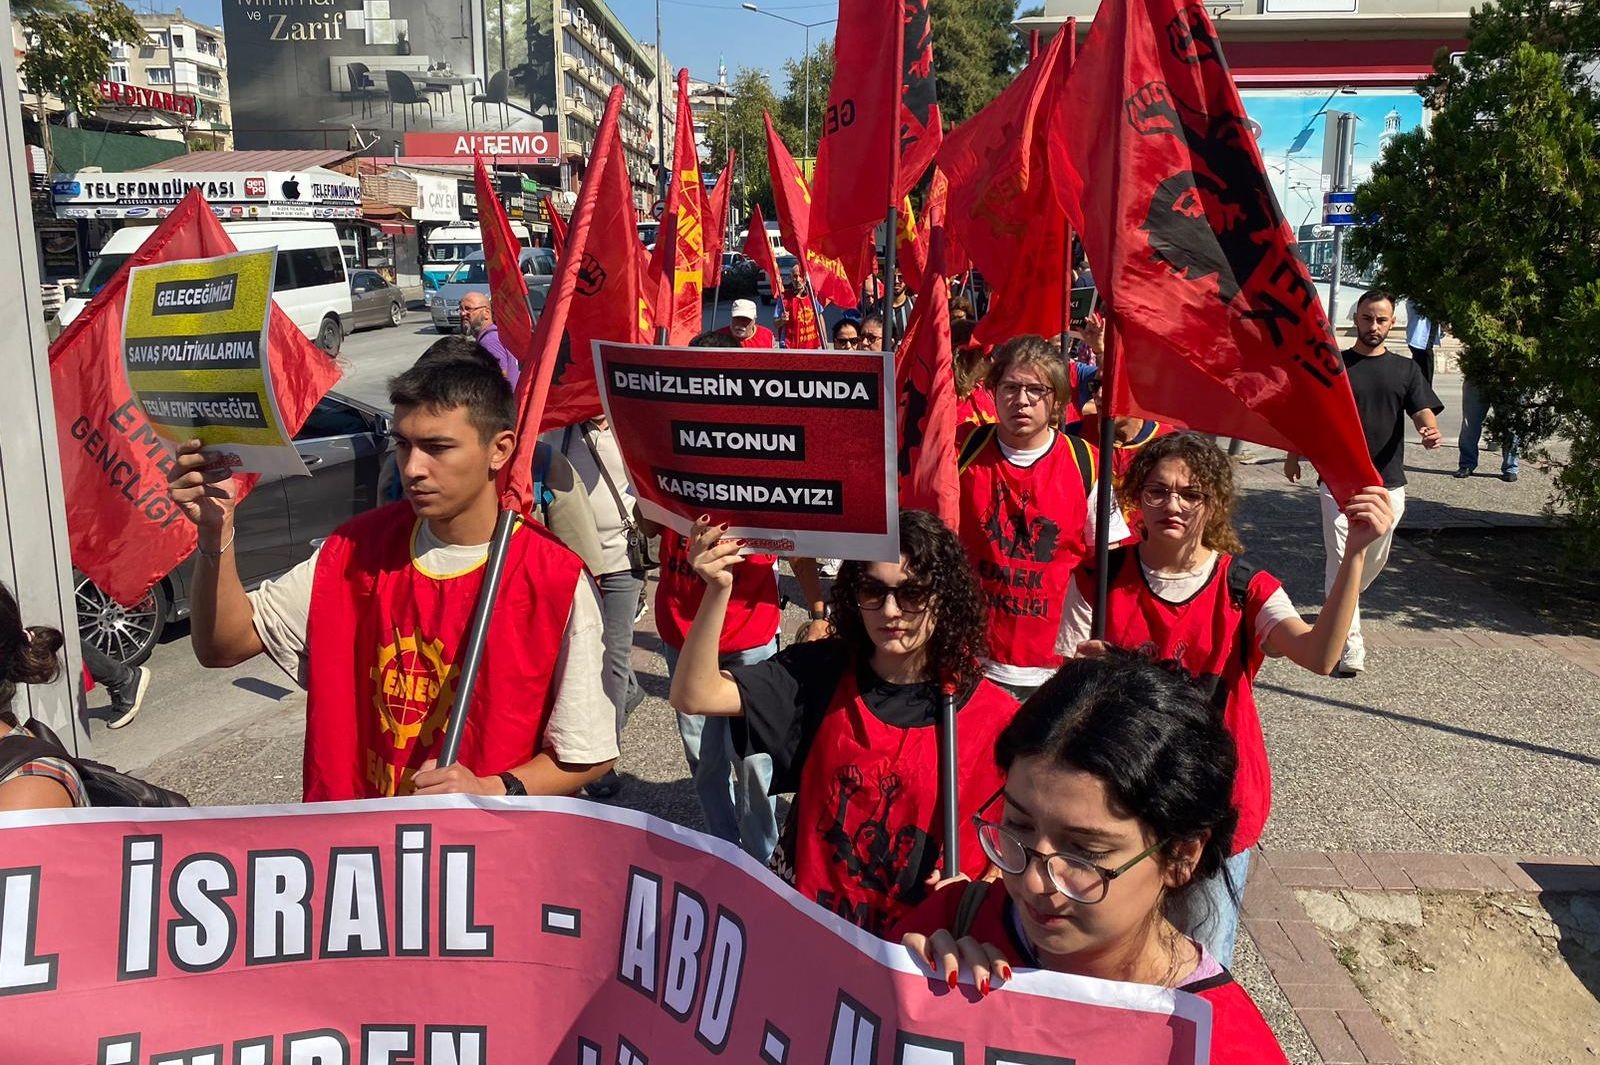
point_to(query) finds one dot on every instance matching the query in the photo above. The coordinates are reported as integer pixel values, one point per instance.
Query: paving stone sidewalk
(1474, 731)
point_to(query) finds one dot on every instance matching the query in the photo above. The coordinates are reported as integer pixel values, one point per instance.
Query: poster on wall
(357, 74)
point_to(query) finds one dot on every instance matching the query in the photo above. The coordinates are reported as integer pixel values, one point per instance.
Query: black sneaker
(606, 787)
(1462, 473)
(1509, 478)
(125, 705)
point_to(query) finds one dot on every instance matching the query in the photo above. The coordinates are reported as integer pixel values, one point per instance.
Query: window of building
(160, 38)
(177, 40)
(119, 72)
(159, 75)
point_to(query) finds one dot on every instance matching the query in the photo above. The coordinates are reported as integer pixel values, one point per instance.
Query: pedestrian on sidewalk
(1421, 337)
(1388, 389)
(477, 321)
(127, 685)
(1474, 409)
(1115, 809)
(1182, 593)
(596, 462)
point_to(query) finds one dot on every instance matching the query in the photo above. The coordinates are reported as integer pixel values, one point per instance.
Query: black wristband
(514, 784)
(820, 615)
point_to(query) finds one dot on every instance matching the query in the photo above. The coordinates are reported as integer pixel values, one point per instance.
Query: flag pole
(947, 784)
(1102, 515)
(1067, 261)
(669, 270)
(477, 637)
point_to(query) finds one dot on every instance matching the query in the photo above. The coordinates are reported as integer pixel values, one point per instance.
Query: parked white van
(312, 287)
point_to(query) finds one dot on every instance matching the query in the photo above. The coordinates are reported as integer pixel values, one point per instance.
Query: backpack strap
(967, 909)
(1083, 456)
(542, 495)
(17, 749)
(974, 444)
(1240, 574)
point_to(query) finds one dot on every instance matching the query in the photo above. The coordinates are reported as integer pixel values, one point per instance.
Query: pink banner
(467, 931)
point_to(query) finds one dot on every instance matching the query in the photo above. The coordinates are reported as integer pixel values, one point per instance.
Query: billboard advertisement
(360, 74)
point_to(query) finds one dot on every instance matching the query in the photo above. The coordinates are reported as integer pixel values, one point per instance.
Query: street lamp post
(805, 149)
(1305, 135)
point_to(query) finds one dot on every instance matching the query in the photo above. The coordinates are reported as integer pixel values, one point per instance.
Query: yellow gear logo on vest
(414, 689)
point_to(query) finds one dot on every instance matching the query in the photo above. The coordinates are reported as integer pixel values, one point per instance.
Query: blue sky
(696, 32)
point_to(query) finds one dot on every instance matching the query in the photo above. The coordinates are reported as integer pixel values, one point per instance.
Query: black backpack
(102, 785)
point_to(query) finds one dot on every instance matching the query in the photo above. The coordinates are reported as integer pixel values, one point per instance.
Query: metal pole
(661, 123)
(669, 262)
(1102, 503)
(1341, 182)
(808, 96)
(477, 634)
(948, 785)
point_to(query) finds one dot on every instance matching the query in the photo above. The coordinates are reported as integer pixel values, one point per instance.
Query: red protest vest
(1239, 1034)
(760, 338)
(800, 323)
(864, 831)
(1023, 531)
(1211, 636)
(384, 644)
(753, 610)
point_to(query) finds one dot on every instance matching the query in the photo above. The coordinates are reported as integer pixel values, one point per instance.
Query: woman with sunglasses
(1179, 592)
(849, 721)
(1116, 802)
(847, 334)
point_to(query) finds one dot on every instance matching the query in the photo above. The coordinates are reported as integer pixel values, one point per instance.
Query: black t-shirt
(786, 697)
(1388, 389)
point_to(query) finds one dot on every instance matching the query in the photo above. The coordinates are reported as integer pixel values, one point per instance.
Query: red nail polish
(954, 979)
(1005, 972)
(983, 987)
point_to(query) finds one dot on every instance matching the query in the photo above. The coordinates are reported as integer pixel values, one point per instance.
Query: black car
(280, 523)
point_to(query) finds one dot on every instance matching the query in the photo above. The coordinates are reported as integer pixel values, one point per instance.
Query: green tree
(974, 53)
(741, 123)
(69, 49)
(1490, 219)
(1021, 38)
(791, 115)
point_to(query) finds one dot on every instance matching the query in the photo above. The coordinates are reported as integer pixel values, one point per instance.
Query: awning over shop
(79, 149)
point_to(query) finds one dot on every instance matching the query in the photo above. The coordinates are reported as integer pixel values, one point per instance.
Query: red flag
(882, 126)
(912, 242)
(717, 222)
(124, 533)
(759, 249)
(558, 226)
(829, 279)
(508, 291)
(1003, 209)
(926, 387)
(609, 300)
(533, 390)
(1219, 325)
(683, 245)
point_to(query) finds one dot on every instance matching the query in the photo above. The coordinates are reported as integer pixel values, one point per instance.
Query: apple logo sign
(291, 189)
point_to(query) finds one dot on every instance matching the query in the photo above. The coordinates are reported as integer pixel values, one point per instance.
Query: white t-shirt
(583, 723)
(1078, 617)
(610, 522)
(1033, 676)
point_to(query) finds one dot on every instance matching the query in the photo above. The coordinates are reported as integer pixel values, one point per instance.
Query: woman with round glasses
(1116, 802)
(1181, 593)
(849, 721)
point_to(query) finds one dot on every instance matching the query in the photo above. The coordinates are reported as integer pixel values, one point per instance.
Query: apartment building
(179, 73)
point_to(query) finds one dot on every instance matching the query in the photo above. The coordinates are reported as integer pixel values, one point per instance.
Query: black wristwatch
(513, 783)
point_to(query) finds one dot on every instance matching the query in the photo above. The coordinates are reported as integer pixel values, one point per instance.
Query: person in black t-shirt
(849, 720)
(1388, 388)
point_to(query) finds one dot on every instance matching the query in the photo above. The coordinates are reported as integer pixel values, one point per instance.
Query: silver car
(472, 275)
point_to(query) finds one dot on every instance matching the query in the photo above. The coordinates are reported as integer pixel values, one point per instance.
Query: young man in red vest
(1027, 511)
(373, 624)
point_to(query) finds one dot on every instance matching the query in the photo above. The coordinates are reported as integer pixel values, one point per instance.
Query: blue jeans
(1474, 409)
(734, 793)
(1209, 911)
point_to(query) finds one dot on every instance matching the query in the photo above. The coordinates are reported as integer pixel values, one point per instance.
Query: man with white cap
(744, 329)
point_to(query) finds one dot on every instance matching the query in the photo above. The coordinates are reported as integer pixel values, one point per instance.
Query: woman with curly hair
(1180, 593)
(849, 720)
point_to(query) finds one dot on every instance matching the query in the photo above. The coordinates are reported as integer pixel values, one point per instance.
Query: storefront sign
(1310, 7)
(506, 148)
(436, 199)
(153, 194)
(121, 94)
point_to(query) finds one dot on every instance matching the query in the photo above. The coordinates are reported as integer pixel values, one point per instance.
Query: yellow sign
(194, 345)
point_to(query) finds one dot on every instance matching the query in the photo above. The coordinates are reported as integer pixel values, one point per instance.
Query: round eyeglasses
(1076, 877)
